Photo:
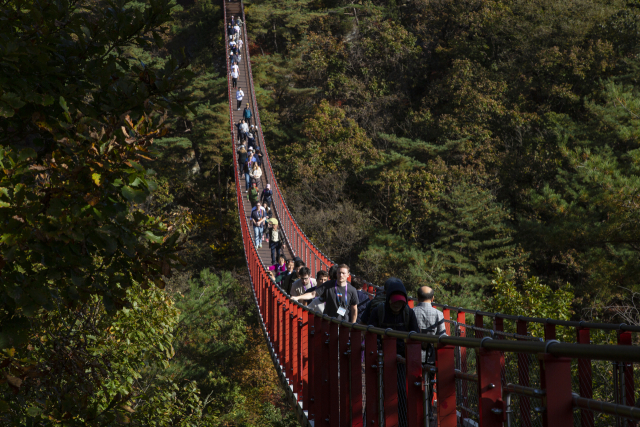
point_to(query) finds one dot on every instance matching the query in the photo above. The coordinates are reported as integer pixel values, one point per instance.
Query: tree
(84, 366)
(78, 116)
(592, 209)
(533, 299)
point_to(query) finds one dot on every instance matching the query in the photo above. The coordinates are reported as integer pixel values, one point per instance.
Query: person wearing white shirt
(239, 96)
(234, 78)
(244, 129)
(237, 30)
(240, 44)
(235, 68)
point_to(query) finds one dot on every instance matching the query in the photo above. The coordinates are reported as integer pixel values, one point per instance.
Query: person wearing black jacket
(396, 314)
(267, 196)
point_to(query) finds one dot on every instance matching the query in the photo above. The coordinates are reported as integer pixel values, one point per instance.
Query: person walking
(242, 158)
(230, 30)
(396, 314)
(244, 128)
(256, 174)
(237, 31)
(304, 282)
(240, 44)
(254, 196)
(431, 322)
(246, 170)
(246, 114)
(276, 244)
(251, 140)
(258, 218)
(267, 196)
(235, 68)
(239, 96)
(234, 78)
(363, 297)
(340, 297)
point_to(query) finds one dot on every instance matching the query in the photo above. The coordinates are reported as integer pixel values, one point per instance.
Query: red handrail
(310, 350)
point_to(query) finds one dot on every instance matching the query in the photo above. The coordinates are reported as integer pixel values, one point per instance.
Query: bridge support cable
(339, 374)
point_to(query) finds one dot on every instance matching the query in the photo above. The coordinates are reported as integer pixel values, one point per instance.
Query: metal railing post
(390, 372)
(446, 386)
(414, 385)
(461, 318)
(523, 378)
(627, 389)
(489, 388)
(447, 317)
(356, 379)
(555, 380)
(305, 358)
(334, 384)
(322, 397)
(344, 357)
(585, 379)
(371, 378)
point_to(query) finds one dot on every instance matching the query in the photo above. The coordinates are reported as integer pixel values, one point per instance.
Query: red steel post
(334, 385)
(306, 339)
(447, 316)
(344, 357)
(356, 378)
(390, 374)
(479, 323)
(294, 349)
(415, 384)
(555, 379)
(627, 384)
(371, 379)
(315, 369)
(585, 379)
(322, 385)
(287, 338)
(446, 385)
(549, 331)
(523, 378)
(464, 385)
(304, 357)
(489, 387)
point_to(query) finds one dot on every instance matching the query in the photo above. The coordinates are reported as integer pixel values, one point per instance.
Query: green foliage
(504, 135)
(84, 366)
(532, 298)
(78, 116)
(593, 204)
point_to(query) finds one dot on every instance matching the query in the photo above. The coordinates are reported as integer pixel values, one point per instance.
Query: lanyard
(338, 295)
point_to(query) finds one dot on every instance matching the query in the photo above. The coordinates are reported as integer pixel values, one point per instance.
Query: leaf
(152, 237)
(13, 100)
(34, 411)
(27, 153)
(63, 104)
(158, 40)
(96, 179)
(13, 381)
(137, 196)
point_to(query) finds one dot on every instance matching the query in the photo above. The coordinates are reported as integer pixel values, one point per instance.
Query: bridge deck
(235, 9)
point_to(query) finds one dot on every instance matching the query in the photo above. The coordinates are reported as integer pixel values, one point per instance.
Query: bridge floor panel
(234, 9)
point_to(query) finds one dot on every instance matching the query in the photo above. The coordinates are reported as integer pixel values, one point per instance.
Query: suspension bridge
(339, 374)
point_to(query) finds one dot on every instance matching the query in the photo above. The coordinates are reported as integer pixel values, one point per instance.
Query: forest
(489, 149)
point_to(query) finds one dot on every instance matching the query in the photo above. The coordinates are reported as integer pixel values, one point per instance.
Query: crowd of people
(330, 292)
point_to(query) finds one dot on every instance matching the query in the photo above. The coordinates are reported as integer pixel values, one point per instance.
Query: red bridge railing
(342, 374)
